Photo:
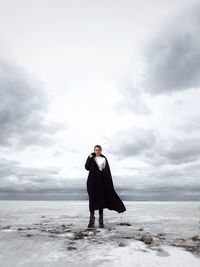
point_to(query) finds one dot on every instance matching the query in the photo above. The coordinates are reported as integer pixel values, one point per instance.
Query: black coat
(100, 187)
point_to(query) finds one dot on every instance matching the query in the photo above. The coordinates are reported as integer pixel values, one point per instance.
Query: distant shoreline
(80, 200)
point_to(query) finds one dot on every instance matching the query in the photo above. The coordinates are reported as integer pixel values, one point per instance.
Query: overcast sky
(124, 74)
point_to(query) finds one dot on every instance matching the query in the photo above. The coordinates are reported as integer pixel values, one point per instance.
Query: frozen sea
(54, 233)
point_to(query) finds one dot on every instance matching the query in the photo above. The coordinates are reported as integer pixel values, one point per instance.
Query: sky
(124, 74)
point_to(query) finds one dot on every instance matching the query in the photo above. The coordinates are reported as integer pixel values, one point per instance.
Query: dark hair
(98, 147)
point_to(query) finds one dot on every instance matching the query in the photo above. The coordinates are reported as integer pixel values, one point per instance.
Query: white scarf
(101, 162)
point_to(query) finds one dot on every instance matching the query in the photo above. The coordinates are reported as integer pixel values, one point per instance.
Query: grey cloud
(191, 124)
(161, 195)
(183, 151)
(132, 99)
(23, 108)
(173, 57)
(161, 183)
(131, 142)
(174, 151)
(21, 182)
(171, 63)
(148, 146)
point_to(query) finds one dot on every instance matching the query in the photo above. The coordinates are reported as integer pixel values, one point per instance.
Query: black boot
(91, 222)
(101, 224)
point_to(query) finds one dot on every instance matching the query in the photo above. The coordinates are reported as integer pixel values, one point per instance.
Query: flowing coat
(100, 187)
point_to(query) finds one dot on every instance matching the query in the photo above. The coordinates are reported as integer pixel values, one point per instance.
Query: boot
(91, 222)
(101, 224)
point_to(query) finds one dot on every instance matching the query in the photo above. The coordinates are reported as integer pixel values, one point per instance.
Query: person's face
(97, 151)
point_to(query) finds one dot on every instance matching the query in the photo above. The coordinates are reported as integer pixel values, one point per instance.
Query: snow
(54, 233)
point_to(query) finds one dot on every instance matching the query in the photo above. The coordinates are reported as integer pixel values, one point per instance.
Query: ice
(54, 233)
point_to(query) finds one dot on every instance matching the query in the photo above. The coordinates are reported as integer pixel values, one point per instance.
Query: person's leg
(91, 212)
(101, 224)
(92, 219)
(101, 211)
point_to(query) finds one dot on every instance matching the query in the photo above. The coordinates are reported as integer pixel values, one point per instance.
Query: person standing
(100, 187)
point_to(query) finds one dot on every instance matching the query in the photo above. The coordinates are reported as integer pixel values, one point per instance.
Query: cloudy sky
(124, 74)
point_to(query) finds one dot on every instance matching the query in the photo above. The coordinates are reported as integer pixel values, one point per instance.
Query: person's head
(97, 150)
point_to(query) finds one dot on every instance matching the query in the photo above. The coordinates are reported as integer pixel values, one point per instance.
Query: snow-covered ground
(54, 233)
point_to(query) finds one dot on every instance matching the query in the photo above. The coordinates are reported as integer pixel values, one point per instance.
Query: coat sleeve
(88, 163)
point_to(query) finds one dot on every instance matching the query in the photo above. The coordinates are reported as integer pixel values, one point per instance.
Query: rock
(195, 238)
(162, 253)
(6, 227)
(146, 238)
(79, 235)
(122, 244)
(28, 235)
(161, 234)
(125, 223)
(71, 242)
(71, 248)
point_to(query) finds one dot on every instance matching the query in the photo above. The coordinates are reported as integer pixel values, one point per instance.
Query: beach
(55, 233)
